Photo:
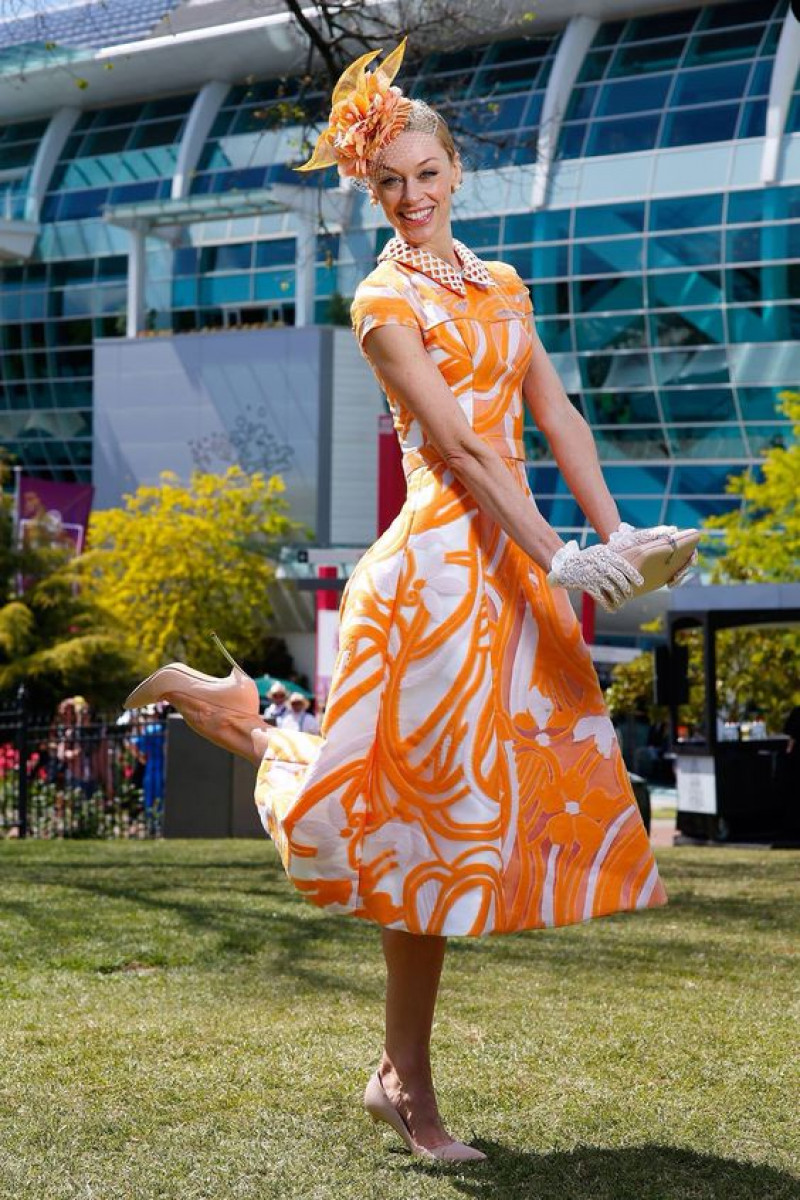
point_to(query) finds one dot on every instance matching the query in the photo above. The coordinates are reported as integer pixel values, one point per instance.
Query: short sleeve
(517, 292)
(378, 303)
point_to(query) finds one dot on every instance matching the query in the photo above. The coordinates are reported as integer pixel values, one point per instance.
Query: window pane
(631, 443)
(639, 512)
(660, 25)
(571, 139)
(621, 408)
(683, 249)
(714, 441)
(678, 289)
(479, 233)
(710, 83)
(556, 335)
(632, 95)
(647, 59)
(594, 66)
(769, 437)
(693, 328)
(77, 205)
(735, 12)
(226, 290)
(761, 77)
(539, 262)
(754, 119)
(130, 193)
(690, 514)
(686, 213)
(615, 294)
(698, 404)
(759, 403)
(623, 136)
(690, 126)
(764, 204)
(615, 371)
(606, 333)
(551, 299)
(580, 103)
(778, 282)
(722, 47)
(277, 252)
(768, 323)
(633, 481)
(156, 133)
(563, 512)
(602, 258)
(103, 141)
(234, 257)
(538, 227)
(691, 366)
(702, 480)
(763, 242)
(274, 285)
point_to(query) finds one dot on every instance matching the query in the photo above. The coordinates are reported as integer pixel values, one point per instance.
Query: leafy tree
(757, 671)
(762, 539)
(177, 561)
(757, 668)
(51, 636)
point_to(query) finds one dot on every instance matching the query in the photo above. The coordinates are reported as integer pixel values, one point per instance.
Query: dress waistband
(428, 456)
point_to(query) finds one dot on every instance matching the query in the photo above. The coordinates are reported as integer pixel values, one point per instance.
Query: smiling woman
(467, 779)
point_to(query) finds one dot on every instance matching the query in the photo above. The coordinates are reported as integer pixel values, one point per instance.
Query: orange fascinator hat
(367, 113)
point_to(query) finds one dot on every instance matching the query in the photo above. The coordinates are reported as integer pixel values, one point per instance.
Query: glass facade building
(668, 297)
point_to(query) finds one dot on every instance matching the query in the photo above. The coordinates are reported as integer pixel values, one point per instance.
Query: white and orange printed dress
(467, 778)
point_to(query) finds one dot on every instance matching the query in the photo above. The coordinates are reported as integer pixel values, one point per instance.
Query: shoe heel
(225, 652)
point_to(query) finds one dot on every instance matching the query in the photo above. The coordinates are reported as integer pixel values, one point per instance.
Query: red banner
(63, 509)
(391, 479)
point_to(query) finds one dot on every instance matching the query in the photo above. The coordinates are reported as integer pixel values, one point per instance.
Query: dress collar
(472, 268)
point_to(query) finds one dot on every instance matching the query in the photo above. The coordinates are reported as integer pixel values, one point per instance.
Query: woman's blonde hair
(424, 119)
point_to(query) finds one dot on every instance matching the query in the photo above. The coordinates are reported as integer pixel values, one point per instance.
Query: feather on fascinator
(367, 113)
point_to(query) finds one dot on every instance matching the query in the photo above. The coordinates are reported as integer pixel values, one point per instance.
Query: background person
(277, 706)
(298, 717)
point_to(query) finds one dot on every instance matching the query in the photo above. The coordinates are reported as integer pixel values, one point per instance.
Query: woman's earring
(373, 200)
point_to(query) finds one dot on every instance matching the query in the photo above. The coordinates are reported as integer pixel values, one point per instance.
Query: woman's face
(414, 185)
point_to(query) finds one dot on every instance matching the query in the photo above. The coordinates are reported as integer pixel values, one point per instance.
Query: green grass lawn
(176, 1023)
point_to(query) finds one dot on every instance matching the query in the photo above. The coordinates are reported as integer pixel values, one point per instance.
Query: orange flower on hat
(367, 114)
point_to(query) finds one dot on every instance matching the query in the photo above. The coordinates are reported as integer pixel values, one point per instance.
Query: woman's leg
(241, 733)
(413, 970)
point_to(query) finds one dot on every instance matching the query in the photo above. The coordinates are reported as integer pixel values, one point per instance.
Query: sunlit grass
(176, 1024)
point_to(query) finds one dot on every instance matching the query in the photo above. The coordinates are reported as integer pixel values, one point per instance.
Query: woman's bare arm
(406, 371)
(570, 440)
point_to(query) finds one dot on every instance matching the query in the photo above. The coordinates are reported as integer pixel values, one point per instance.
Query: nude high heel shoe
(380, 1108)
(662, 560)
(236, 692)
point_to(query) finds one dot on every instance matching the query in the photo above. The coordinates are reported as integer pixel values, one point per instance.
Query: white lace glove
(625, 536)
(602, 572)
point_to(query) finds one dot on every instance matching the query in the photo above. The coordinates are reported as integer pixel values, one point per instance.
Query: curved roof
(86, 26)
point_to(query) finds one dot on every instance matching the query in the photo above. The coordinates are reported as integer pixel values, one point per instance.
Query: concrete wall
(208, 400)
(301, 403)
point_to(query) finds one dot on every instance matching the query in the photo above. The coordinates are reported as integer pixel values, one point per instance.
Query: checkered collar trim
(472, 268)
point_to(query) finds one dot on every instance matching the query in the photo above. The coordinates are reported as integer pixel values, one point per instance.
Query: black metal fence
(79, 777)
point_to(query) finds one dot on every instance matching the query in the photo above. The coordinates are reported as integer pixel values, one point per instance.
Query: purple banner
(63, 508)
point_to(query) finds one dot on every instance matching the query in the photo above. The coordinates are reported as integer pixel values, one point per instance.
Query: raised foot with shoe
(237, 692)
